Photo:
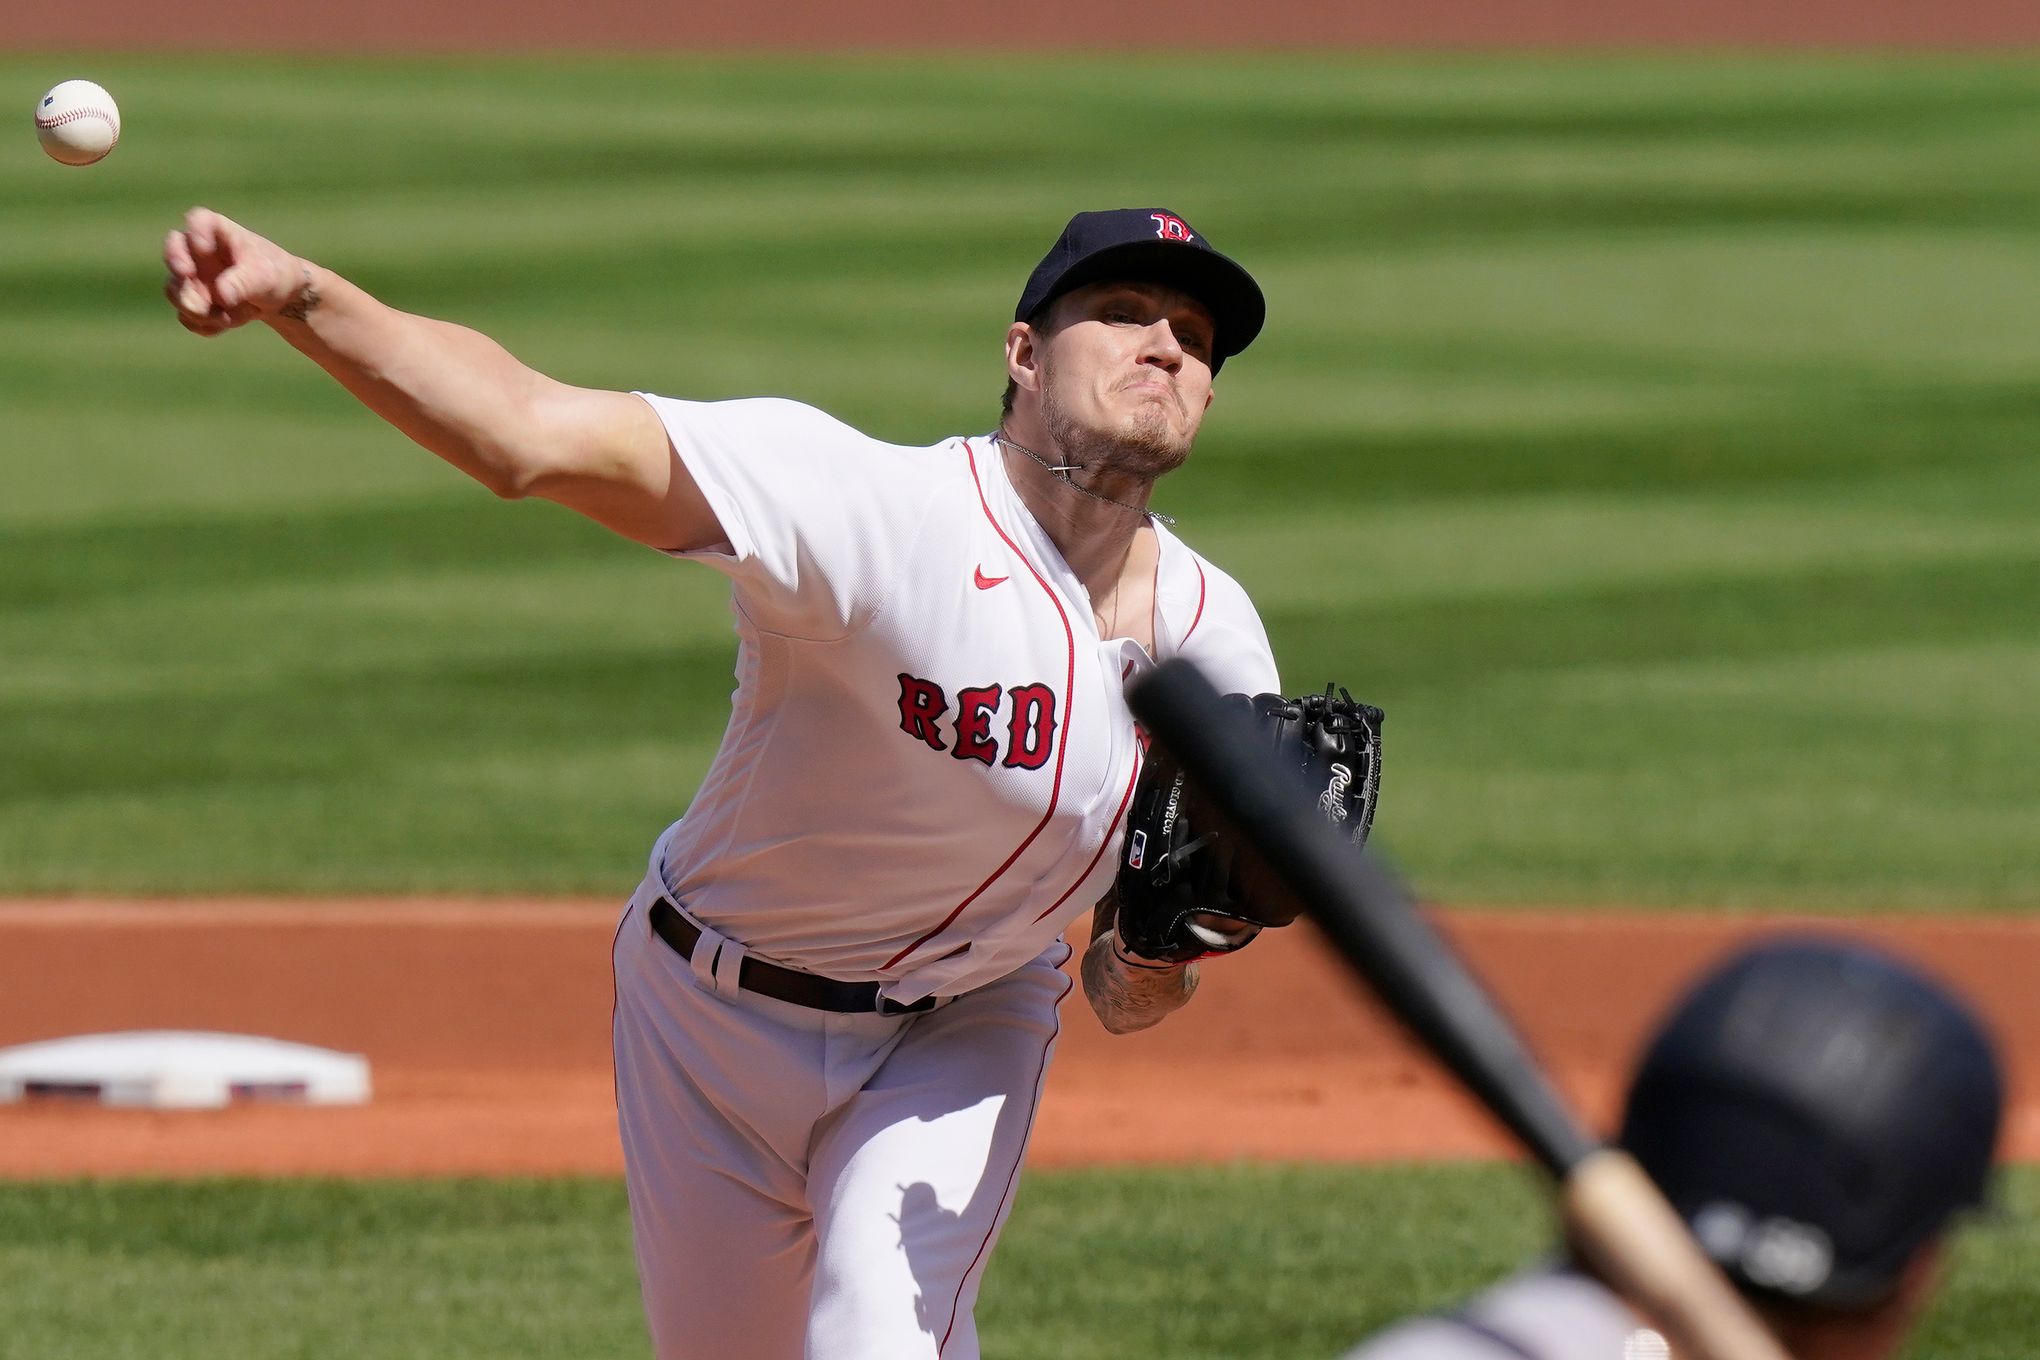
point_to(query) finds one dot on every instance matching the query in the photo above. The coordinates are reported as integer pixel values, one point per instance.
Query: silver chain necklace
(1062, 473)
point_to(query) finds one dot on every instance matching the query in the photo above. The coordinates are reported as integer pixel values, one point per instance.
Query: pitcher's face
(1126, 375)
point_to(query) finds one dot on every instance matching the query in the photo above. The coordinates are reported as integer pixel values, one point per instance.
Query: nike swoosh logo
(984, 582)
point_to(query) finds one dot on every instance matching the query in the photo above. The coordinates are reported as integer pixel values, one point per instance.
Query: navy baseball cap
(1817, 1111)
(1153, 245)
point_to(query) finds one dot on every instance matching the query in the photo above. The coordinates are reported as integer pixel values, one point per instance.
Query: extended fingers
(207, 231)
(177, 255)
(194, 310)
(188, 294)
(209, 241)
(217, 269)
(191, 254)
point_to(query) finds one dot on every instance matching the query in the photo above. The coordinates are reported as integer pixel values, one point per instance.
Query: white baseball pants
(806, 1185)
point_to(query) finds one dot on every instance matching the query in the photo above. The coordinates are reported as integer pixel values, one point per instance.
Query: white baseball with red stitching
(77, 122)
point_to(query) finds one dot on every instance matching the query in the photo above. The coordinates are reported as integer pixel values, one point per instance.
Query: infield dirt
(486, 1025)
(814, 25)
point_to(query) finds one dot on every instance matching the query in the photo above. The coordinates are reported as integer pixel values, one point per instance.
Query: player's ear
(1023, 356)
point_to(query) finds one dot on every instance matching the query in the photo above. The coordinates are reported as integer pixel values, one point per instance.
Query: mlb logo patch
(1136, 850)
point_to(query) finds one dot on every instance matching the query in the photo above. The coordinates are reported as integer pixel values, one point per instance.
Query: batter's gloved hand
(223, 275)
(1183, 891)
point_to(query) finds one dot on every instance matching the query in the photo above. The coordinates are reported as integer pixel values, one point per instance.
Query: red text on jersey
(974, 710)
(1033, 728)
(926, 714)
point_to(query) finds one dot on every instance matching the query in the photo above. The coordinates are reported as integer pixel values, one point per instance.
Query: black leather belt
(785, 984)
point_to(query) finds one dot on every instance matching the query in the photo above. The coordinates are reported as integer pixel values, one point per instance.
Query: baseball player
(837, 985)
(1818, 1112)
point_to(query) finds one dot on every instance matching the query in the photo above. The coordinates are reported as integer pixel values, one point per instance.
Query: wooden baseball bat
(1614, 1215)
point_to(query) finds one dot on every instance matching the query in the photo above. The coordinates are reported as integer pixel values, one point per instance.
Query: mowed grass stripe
(1615, 412)
(1768, 774)
(1495, 548)
(505, 1269)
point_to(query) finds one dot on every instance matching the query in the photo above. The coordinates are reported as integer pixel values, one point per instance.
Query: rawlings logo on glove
(1182, 893)
(1332, 802)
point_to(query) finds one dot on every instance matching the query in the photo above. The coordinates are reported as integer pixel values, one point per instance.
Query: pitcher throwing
(837, 984)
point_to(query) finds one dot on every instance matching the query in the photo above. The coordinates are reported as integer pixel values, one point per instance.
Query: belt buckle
(888, 1006)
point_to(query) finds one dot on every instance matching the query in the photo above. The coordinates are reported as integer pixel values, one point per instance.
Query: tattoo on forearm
(1128, 996)
(304, 300)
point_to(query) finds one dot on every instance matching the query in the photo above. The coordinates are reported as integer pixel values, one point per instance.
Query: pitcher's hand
(223, 275)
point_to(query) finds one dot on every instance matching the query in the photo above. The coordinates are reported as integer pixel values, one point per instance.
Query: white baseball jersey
(1547, 1314)
(929, 758)
(925, 776)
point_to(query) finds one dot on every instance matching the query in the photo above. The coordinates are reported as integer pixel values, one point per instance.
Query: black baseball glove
(1182, 895)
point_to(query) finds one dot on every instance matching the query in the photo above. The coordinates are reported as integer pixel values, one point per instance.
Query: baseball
(77, 122)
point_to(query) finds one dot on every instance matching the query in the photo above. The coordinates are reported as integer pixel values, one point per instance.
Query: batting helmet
(1817, 1111)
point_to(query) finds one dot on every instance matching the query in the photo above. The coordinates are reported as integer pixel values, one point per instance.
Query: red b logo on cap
(1171, 228)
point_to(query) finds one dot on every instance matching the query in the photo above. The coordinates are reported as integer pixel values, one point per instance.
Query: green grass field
(1242, 1263)
(1653, 438)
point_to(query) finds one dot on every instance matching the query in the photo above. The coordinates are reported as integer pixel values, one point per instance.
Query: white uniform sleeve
(1226, 638)
(814, 514)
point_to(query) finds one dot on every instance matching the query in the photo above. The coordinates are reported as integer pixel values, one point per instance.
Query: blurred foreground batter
(1818, 1112)
(837, 985)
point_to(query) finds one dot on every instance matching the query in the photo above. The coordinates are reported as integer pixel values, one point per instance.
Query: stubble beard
(1146, 448)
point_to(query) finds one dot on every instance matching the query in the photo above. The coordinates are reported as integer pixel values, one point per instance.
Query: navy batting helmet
(1817, 1111)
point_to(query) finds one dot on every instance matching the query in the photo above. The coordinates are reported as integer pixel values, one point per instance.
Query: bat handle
(1622, 1226)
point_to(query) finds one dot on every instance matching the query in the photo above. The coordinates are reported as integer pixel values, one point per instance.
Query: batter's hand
(223, 275)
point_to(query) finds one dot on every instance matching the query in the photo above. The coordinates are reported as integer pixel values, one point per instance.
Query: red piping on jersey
(1155, 602)
(615, 1093)
(1124, 799)
(1069, 703)
(963, 1280)
(1198, 617)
